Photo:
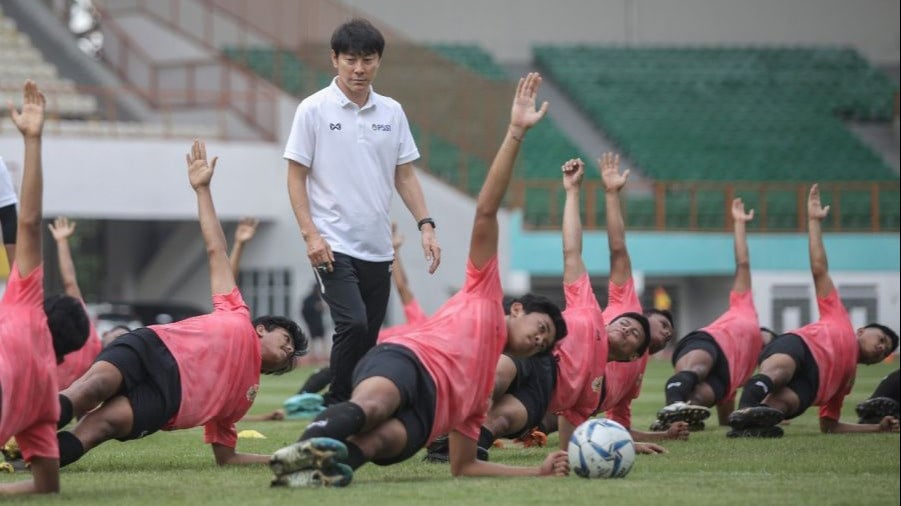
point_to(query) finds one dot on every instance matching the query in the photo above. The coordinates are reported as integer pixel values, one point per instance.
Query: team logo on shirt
(252, 392)
(597, 384)
(380, 128)
(334, 126)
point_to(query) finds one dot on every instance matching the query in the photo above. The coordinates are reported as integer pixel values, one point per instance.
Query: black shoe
(773, 431)
(755, 417)
(682, 412)
(438, 451)
(873, 410)
(482, 454)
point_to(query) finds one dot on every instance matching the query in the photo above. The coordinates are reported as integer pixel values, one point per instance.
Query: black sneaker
(682, 412)
(482, 454)
(773, 431)
(755, 417)
(438, 451)
(875, 409)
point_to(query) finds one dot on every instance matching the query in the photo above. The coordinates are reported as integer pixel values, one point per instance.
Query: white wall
(509, 28)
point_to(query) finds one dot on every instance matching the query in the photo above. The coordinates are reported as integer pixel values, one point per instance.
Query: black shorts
(8, 223)
(718, 378)
(417, 393)
(151, 382)
(533, 386)
(806, 380)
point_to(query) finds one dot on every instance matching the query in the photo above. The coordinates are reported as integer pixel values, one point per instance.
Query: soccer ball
(601, 448)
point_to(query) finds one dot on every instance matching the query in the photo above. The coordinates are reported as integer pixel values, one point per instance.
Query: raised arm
(247, 227)
(410, 191)
(523, 116)
(397, 272)
(573, 265)
(742, 258)
(30, 122)
(200, 173)
(620, 263)
(318, 249)
(62, 229)
(819, 267)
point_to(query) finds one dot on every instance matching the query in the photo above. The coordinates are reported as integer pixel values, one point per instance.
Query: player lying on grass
(816, 364)
(202, 371)
(884, 401)
(437, 378)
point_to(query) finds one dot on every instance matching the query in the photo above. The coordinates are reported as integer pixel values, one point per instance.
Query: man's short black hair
(358, 37)
(301, 344)
(662, 312)
(534, 303)
(68, 323)
(645, 325)
(892, 335)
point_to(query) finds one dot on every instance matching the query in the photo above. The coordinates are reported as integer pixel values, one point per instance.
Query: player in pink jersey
(711, 363)
(76, 363)
(202, 371)
(437, 378)
(816, 364)
(35, 333)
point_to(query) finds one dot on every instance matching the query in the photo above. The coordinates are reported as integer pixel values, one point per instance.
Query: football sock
(65, 411)
(756, 389)
(486, 438)
(679, 387)
(889, 386)
(337, 422)
(317, 381)
(355, 457)
(70, 448)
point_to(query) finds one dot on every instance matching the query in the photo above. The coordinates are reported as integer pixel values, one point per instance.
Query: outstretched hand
(555, 464)
(61, 228)
(523, 115)
(678, 430)
(31, 120)
(247, 228)
(738, 211)
(649, 448)
(888, 424)
(815, 209)
(573, 171)
(200, 173)
(608, 164)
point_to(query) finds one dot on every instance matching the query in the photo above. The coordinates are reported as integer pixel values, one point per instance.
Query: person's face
(624, 336)
(276, 348)
(661, 332)
(874, 345)
(356, 71)
(528, 333)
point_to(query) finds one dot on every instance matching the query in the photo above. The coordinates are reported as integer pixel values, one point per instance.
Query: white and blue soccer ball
(601, 448)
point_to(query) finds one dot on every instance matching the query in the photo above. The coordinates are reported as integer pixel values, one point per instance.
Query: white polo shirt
(7, 191)
(352, 153)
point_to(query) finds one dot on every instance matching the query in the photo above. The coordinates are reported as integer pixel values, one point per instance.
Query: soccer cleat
(535, 438)
(873, 410)
(659, 426)
(755, 417)
(773, 431)
(438, 450)
(314, 453)
(682, 412)
(334, 475)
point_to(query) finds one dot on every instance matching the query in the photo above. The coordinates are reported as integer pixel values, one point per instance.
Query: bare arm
(463, 462)
(523, 116)
(676, 430)
(247, 227)
(742, 258)
(566, 430)
(318, 250)
(30, 123)
(62, 229)
(620, 263)
(573, 264)
(397, 272)
(819, 266)
(226, 456)
(887, 424)
(44, 479)
(410, 191)
(200, 173)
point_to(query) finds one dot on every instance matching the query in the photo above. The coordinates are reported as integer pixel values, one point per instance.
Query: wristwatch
(423, 221)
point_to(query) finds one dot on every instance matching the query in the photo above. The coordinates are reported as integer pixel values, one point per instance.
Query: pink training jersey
(78, 362)
(29, 403)
(737, 332)
(833, 344)
(582, 356)
(622, 380)
(414, 315)
(218, 357)
(459, 346)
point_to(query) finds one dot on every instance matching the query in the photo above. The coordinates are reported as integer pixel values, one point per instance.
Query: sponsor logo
(318, 423)
(676, 384)
(597, 384)
(252, 392)
(334, 126)
(380, 128)
(763, 386)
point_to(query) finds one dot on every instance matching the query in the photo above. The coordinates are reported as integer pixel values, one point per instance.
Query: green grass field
(804, 467)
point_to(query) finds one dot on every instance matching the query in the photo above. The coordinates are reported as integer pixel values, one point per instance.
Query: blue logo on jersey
(334, 126)
(380, 128)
